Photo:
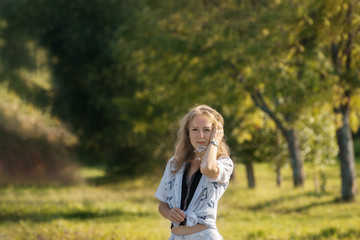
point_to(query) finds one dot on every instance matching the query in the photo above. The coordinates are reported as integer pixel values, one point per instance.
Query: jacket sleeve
(161, 192)
(226, 167)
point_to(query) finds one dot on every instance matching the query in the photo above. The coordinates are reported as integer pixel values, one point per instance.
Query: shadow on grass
(69, 215)
(146, 180)
(311, 205)
(334, 233)
(103, 180)
(272, 203)
(327, 233)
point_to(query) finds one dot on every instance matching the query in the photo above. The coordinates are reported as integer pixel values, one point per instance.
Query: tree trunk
(250, 174)
(289, 134)
(342, 64)
(295, 156)
(346, 155)
(278, 160)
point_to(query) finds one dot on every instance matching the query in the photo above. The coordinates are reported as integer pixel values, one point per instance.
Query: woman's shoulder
(172, 164)
(175, 165)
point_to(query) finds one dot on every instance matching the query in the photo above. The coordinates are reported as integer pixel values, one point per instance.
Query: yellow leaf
(247, 71)
(140, 127)
(354, 122)
(338, 120)
(244, 136)
(265, 32)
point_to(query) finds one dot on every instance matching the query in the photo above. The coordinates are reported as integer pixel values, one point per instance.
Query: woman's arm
(174, 215)
(208, 165)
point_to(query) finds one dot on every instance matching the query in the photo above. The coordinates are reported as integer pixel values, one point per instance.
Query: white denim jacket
(203, 206)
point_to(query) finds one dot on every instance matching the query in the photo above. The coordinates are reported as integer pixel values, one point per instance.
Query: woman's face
(200, 131)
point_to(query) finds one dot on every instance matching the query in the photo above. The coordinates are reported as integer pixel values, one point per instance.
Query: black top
(188, 188)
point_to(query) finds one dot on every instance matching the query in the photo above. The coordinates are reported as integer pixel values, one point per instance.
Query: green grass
(128, 210)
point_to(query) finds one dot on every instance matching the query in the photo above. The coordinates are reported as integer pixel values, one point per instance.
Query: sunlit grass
(128, 210)
(269, 212)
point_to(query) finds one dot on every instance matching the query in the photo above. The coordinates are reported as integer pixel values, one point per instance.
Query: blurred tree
(328, 33)
(124, 72)
(276, 83)
(345, 49)
(294, 34)
(197, 50)
(332, 28)
(94, 89)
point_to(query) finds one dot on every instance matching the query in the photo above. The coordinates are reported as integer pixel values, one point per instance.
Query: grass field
(128, 210)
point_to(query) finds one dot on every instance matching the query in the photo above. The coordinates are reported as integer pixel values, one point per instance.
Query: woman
(196, 176)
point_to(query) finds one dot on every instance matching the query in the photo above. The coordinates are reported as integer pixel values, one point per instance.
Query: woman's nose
(201, 134)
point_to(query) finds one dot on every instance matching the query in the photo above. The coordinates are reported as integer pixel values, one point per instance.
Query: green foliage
(122, 73)
(317, 137)
(276, 50)
(93, 89)
(265, 144)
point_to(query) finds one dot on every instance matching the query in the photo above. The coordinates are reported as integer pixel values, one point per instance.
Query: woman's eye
(207, 130)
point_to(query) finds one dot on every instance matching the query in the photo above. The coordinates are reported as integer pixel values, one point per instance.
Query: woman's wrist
(214, 142)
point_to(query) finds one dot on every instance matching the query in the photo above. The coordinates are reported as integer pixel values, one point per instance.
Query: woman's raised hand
(217, 134)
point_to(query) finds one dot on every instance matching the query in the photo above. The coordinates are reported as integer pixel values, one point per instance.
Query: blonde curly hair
(184, 151)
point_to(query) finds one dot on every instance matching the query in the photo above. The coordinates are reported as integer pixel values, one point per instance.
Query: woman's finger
(219, 134)
(213, 132)
(180, 212)
(177, 215)
(177, 219)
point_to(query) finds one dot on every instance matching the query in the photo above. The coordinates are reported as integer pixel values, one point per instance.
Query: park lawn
(128, 210)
